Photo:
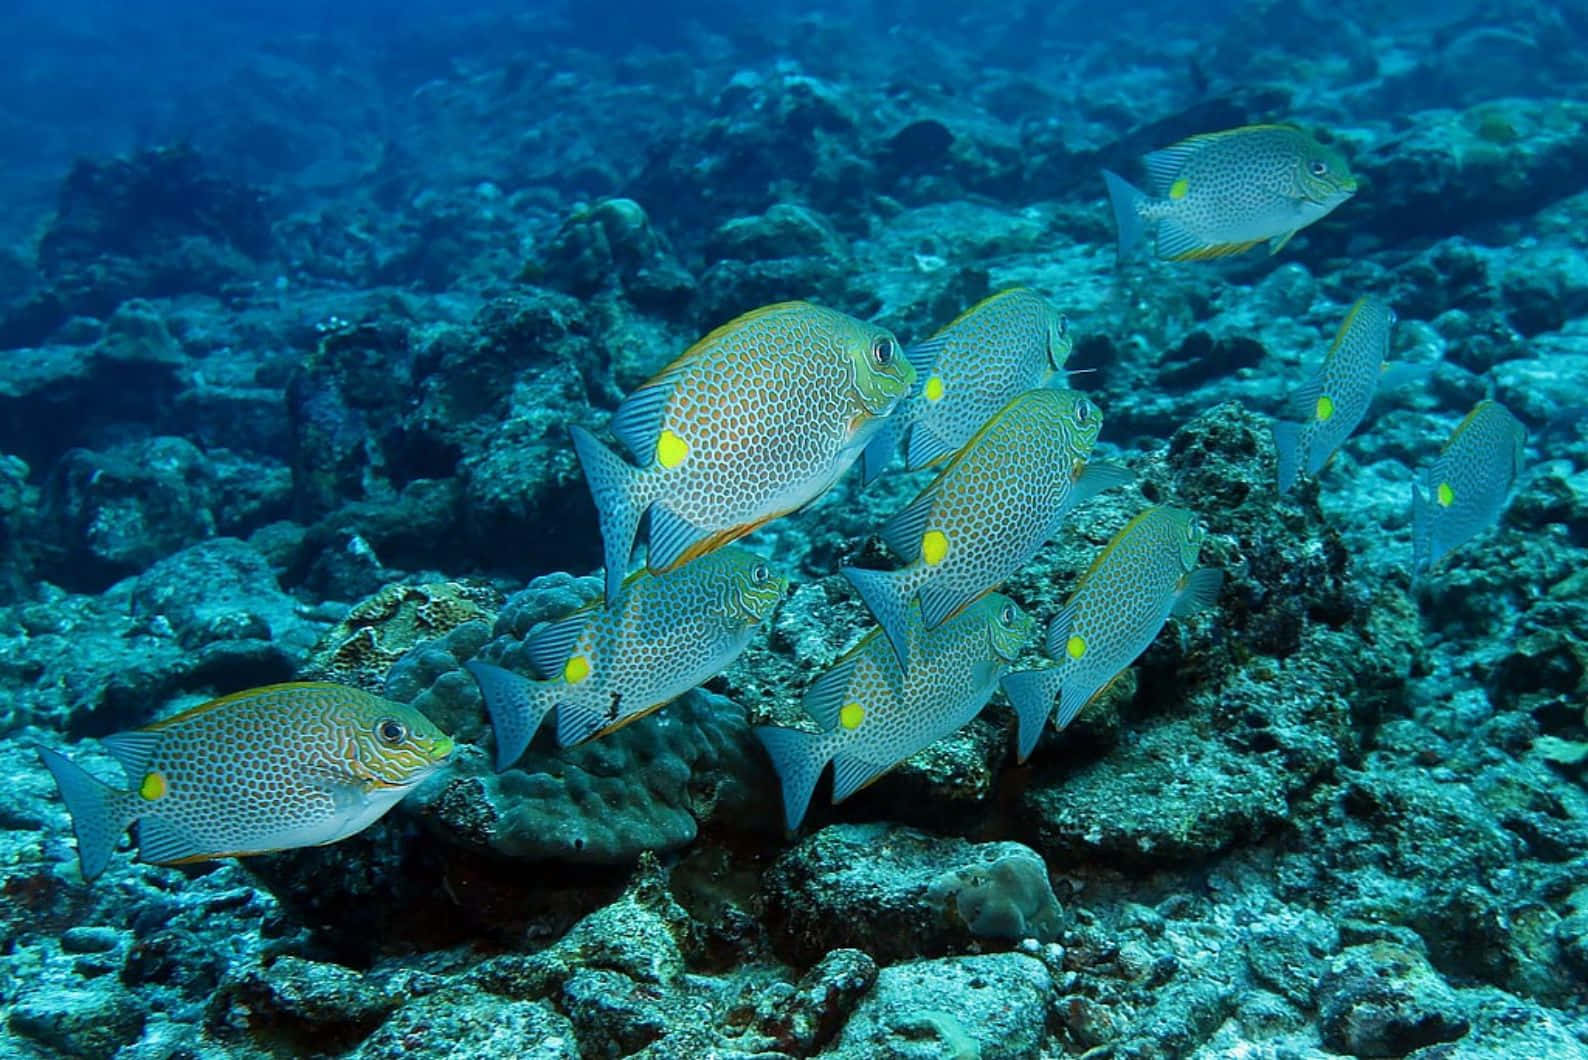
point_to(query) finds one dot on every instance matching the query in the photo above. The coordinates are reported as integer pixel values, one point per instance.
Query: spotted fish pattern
(989, 511)
(755, 420)
(875, 713)
(664, 634)
(1465, 489)
(268, 769)
(1332, 404)
(1145, 574)
(1225, 192)
(1011, 342)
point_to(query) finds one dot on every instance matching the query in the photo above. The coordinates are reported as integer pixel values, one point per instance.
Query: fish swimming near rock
(1332, 404)
(267, 769)
(665, 634)
(1225, 192)
(754, 421)
(1466, 488)
(875, 714)
(1010, 342)
(989, 510)
(1145, 574)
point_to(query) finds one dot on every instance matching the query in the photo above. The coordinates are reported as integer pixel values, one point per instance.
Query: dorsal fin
(902, 533)
(247, 693)
(825, 697)
(133, 750)
(550, 643)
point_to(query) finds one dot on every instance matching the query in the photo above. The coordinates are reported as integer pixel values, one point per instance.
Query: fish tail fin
(100, 812)
(1031, 693)
(878, 453)
(1127, 200)
(887, 595)
(516, 704)
(619, 500)
(1287, 445)
(799, 758)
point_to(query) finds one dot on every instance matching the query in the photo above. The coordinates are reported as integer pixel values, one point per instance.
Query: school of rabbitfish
(757, 420)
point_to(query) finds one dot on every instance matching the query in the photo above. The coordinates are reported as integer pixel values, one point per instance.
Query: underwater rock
(91, 1022)
(1452, 170)
(612, 245)
(111, 514)
(297, 1005)
(53, 398)
(805, 1017)
(150, 225)
(764, 128)
(1541, 288)
(618, 974)
(1384, 1000)
(461, 1023)
(993, 1007)
(18, 503)
(221, 589)
(896, 893)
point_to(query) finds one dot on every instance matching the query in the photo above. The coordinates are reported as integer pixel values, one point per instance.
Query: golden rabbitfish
(1466, 488)
(1225, 192)
(1003, 345)
(989, 510)
(874, 713)
(1145, 574)
(268, 769)
(755, 420)
(664, 634)
(1332, 404)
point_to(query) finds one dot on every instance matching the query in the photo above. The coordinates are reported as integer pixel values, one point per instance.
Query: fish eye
(390, 731)
(1083, 411)
(882, 350)
(1064, 326)
(760, 573)
(1318, 167)
(1007, 615)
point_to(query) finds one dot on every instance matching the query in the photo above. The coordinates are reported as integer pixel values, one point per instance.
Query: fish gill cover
(306, 305)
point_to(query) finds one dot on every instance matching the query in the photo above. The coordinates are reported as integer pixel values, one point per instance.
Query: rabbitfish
(267, 769)
(1003, 345)
(1225, 192)
(874, 714)
(1334, 402)
(755, 420)
(664, 634)
(1466, 488)
(1145, 574)
(989, 510)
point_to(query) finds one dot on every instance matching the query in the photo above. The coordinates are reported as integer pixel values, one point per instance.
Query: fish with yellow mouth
(268, 769)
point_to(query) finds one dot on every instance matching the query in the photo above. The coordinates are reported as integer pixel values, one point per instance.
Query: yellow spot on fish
(576, 670)
(671, 449)
(1075, 647)
(851, 715)
(934, 388)
(1178, 189)
(153, 787)
(1445, 495)
(1325, 407)
(934, 546)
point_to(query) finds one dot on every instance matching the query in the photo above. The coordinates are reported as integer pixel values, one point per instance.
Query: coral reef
(291, 339)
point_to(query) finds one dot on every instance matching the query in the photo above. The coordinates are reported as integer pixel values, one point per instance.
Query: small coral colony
(758, 419)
